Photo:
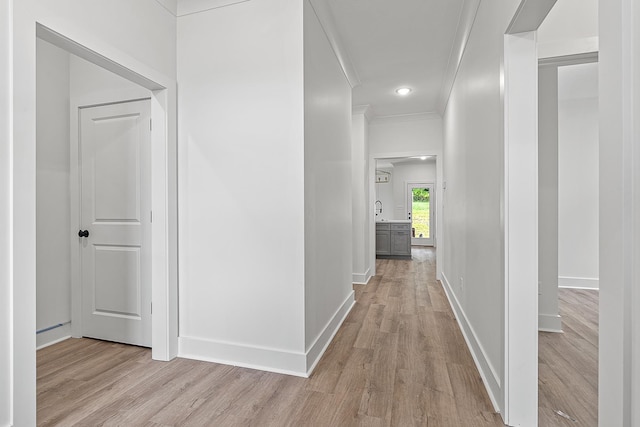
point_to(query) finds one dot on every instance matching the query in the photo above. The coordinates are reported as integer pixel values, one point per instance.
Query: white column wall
(362, 207)
(241, 135)
(6, 305)
(473, 199)
(327, 190)
(143, 33)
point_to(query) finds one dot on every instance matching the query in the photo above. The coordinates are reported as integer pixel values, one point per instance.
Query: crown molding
(468, 15)
(530, 15)
(170, 5)
(407, 117)
(364, 110)
(189, 7)
(327, 22)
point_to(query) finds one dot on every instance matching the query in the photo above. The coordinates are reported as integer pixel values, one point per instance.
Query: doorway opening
(72, 78)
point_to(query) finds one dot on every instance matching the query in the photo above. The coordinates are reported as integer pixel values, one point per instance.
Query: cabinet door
(383, 243)
(400, 243)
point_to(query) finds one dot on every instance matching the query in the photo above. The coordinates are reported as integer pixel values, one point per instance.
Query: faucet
(378, 211)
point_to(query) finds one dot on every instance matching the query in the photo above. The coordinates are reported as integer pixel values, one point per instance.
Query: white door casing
(115, 193)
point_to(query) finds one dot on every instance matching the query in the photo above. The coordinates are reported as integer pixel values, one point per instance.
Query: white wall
(142, 36)
(327, 189)
(548, 319)
(5, 283)
(571, 27)
(53, 239)
(360, 190)
(578, 193)
(473, 199)
(241, 118)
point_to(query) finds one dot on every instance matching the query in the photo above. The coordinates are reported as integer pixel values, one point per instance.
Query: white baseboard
(361, 278)
(490, 378)
(579, 282)
(549, 323)
(53, 336)
(317, 349)
(262, 358)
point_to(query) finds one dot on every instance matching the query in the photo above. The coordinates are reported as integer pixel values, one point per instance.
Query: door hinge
(150, 124)
(151, 216)
(151, 308)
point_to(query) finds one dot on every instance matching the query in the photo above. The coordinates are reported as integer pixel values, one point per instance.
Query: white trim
(189, 7)
(587, 45)
(325, 17)
(364, 110)
(579, 282)
(53, 336)
(361, 278)
(264, 358)
(490, 377)
(319, 346)
(467, 19)
(400, 118)
(549, 323)
(520, 196)
(246, 356)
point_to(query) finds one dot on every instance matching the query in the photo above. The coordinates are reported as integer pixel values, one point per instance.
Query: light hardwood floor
(568, 363)
(399, 359)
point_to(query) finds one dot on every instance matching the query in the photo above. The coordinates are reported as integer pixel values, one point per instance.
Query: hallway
(399, 359)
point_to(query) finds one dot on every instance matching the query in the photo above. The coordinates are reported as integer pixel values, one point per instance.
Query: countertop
(394, 221)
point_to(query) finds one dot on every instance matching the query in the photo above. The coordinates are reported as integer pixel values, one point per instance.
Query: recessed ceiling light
(403, 91)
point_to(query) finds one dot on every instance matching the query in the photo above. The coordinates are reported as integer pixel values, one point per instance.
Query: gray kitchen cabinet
(393, 240)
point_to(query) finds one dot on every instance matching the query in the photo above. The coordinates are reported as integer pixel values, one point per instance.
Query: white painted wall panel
(578, 192)
(473, 172)
(53, 244)
(327, 181)
(6, 345)
(241, 113)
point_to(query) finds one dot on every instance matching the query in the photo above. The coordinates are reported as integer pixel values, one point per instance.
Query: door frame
(164, 334)
(75, 179)
(432, 211)
(373, 157)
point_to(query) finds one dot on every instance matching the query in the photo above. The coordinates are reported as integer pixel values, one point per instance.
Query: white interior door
(420, 210)
(115, 217)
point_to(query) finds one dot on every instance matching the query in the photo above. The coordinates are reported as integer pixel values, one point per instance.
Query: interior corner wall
(6, 346)
(548, 315)
(327, 189)
(473, 199)
(53, 234)
(360, 189)
(241, 185)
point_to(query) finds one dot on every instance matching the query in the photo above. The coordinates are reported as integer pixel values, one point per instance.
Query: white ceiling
(394, 43)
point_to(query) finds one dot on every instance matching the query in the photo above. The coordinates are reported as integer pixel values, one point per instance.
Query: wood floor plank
(399, 359)
(568, 363)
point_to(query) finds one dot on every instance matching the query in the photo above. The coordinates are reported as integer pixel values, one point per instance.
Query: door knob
(83, 233)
